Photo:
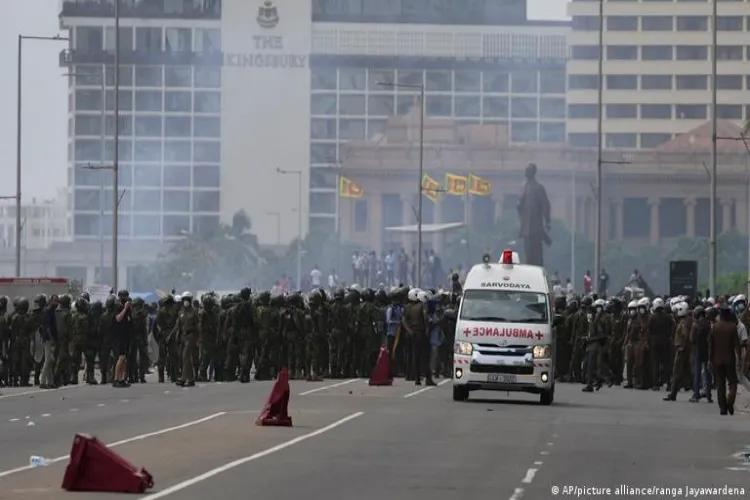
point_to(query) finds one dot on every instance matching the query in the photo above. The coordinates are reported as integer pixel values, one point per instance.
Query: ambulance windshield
(504, 306)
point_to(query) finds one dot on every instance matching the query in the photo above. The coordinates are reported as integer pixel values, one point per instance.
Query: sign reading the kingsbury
(268, 49)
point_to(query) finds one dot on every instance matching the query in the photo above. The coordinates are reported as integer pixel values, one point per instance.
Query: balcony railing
(165, 9)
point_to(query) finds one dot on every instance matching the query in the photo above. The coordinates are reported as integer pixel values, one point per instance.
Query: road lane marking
(545, 453)
(38, 391)
(124, 441)
(425, 389)
(529, 476)
(231, 465)
(318, 389)
(14, 420)
(100, 405)
(517, 494)
(45, 415)
(538, 463)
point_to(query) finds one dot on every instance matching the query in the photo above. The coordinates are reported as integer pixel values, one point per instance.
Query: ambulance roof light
(507, 257)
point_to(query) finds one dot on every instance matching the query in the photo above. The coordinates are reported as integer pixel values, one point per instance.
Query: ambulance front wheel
(460, 393)
(547, 397)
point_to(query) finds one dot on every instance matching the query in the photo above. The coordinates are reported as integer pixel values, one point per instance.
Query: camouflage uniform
(21, 327)
(187, 337)
(106, 321)
(166, 318)
(137, 358)
(208, 325)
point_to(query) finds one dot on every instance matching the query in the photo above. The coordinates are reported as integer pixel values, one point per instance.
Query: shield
(153, 349)
(37, 347)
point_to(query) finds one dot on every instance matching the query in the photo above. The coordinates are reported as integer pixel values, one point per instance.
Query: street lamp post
(116, 161)
(101, 215)
(19, 136)
(277, 215)
(421, 169)
(299, 235)
(712, 267)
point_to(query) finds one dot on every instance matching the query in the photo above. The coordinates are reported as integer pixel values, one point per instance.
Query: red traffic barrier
(380, 374)
(94, 467)
(276, 411)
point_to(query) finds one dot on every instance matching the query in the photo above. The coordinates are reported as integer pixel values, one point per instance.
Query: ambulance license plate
(501, 378)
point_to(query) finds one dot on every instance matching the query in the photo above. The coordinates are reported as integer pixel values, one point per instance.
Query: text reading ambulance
(504, 333)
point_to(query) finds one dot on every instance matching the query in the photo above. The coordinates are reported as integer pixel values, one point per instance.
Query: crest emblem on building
(268, 15)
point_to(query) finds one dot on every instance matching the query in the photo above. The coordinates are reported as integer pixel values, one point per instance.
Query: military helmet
(368, 295)
(40, 300)
(245, 293)
(264, 298)
(85, 296)
(82, 304)
(23, 305)
(138, 302)
(110, 302)
(315, 297)
(381, 296)
(186, 296)
(123, 294)
(353, 297)
(338, 294)
(587, 301)
(65, 301)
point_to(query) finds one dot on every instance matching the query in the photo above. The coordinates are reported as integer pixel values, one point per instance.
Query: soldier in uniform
(562, 341)
(208, 328)
(337, 340)
(246, 333)
(37, 325)
(22, 328)
(416, 323)
(4, 343)
(186, 332)
(600, 330)
(85, 340)
(138, 361)
(317, 338)
(63, 345)
(579, 332)
(616, 345)
(106, 333)
(681, 350)
(370, 325)
(166, 318)
(231, 333)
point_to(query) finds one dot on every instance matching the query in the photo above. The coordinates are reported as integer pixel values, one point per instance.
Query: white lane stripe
(425, 389)
(318, 389)
(124, 441)
(529, 476)
(538, 463)
(231, 465)
(38, 391)
(517, 494)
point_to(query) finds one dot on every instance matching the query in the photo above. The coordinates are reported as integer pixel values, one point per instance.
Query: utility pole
(712, 201)
(116, 162)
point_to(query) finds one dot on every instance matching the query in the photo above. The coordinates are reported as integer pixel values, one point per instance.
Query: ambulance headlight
(464, 348)
(542, 352)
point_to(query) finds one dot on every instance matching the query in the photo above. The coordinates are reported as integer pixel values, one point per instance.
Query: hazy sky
(45, 94)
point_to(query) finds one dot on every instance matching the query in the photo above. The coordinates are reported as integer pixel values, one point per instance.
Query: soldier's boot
(90, 378)
(731, 397)
(160, 374)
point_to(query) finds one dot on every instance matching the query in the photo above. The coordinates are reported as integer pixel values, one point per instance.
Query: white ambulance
(504, 336)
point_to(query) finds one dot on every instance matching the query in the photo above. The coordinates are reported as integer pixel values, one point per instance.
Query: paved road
(351, 441)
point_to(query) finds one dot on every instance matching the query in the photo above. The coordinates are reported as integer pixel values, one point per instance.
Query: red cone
(276, 411)
(94, 467)
(380, 374)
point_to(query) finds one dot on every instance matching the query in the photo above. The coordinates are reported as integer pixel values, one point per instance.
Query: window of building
(147, 176)
(439, 81)
(552, 82)
(729, 111)
(178, 40)
(86, 225)
(656, 82)
(656, 52)
(148, 100)
(207, 40)
(176, 201)
(729, 52)
(322, 153)
(178, 76)
(466, 81)
(524, 107)
(352, 79)
(126, 39)
(622, 82)
(496, 107)
(692, 82)
(524, 132)
(207, 102)
(126, 100)
(583, 82)
(207, 152)
(148, 39)
(552, 132)
(323, 225)
(206, 176)
(375, 78)
(323, 128)
(147, 200)
(146, 225)
(729, 82)
(325, 104)
(177, 126)
(409, 77)
(176, 176)
(322, 203)
(584, 52)
(692, 52)
(125, 150)
(438, 105)
(205, 224)
(622, 140)
(622, 111)
(88, 125)
(322, 79)
(729, 23)
(380, 105)
(88, 150)
(177, 150)
(87, 199)
(582, 111)
(691, 111)
(656, 111)
(89, 38)
(207, 78)
(622, 23)
(126, 76)
(126, 125)
(352, 129)
(692, 23)
(352, 105)
(524, 82)
(88, 100)
(147, 150)
(467, 106)
(496, 81)
(622, 52)
(586, 23)
(360, 216)
(175, 225)
(148, 76)
(582, 139)
(657, 23)
(654, 140)
(206, 126)
(148, 126)
(552, 107)
(176, 101)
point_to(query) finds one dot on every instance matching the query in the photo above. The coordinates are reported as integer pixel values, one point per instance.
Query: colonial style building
(649, 196)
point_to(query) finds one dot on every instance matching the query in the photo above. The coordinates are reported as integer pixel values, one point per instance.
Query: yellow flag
(479, 186)
(430, 188)
(349, 189)
(456, 185)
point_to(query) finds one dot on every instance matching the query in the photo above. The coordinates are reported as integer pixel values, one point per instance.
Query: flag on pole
(430, 188)
(456, 185)
(479, 186)
(349, 189)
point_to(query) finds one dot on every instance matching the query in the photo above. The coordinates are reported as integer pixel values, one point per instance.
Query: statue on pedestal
(534, 215)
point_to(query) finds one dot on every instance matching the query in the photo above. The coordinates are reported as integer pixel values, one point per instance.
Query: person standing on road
(48, 330)
(699, 340)
(724, 355)
(681, 350)
(121, 339)
(187, 336)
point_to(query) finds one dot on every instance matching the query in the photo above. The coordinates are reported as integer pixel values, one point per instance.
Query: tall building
(241, 104)
(657, 69)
